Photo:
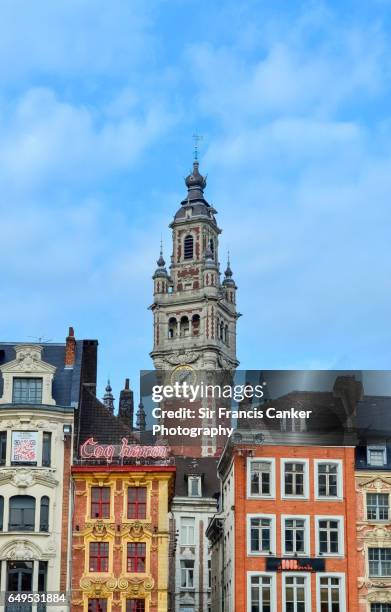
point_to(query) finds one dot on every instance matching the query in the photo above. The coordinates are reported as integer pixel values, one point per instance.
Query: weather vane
(196, 137)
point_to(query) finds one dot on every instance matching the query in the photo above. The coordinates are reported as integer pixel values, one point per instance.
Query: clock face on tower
(184, 373)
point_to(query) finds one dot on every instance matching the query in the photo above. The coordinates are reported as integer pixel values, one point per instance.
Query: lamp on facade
(67, 429)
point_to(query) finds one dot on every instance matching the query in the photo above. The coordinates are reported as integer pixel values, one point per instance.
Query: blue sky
(98, 104)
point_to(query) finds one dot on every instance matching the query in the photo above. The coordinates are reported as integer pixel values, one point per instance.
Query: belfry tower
(194, 311)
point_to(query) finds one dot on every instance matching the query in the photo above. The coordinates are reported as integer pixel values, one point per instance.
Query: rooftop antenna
(197, 138)
(41, 339)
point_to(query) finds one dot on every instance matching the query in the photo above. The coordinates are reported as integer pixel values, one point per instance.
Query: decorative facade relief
(28, 364)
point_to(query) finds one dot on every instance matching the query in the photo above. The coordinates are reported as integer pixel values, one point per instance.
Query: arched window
(195, 324)
(212, 246)
(188, 247)
(1, 512)
(226, 334)
(172, 327)
(44, 514)
(184, 326)
(22, 513)
(221, 330)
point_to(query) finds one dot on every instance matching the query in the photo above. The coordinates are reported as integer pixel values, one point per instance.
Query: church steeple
(160, 277)
(108, 398)
(196, 305)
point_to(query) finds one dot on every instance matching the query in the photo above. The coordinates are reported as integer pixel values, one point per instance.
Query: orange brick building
(120, 545)
(284, 539)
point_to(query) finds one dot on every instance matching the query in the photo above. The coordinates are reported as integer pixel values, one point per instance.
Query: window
(295, 535)
(328, 476)
(136, 557)
(294, 478)
(329, 535)
(137, 502)
(27, 391)
(194, 486)
(330, 593)
(376, 455)
(261, 534)
(261, 593)
(172, 327)
(209, 574)
(19, 576)
(135, 605)
(1, 512)
(99, 557)
(188, 247)
(97, 605)
(295, 425)
(184, 326)
(295, 593)
(379, 561)
(187, 574)
(21, 513)
(46, 448)
(195, 324)
(100, 502)
(42, 575)
(260, 478)
(380, 607)
(187, 531)
(377, 506)
(44, 514)
(3, 447)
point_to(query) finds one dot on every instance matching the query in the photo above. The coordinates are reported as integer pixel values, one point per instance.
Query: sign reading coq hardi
(91, 449)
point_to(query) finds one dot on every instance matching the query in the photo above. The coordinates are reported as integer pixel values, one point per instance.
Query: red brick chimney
(70, 349)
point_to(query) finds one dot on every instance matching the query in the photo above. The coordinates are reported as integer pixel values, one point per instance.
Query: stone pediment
(374, 483)
(25, 550)
(28, 360)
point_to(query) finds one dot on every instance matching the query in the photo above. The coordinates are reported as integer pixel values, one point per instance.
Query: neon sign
(91, 449)
(295, 565)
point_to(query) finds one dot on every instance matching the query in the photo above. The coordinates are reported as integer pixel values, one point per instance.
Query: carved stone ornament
(95, 587)
(25, 477)
(375, 483)
(137, 530)
(20, 550)
(180, 358)
(380, 596)
(135, 586)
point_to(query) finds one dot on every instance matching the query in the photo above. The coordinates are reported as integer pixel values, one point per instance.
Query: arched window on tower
(195, 324)
(226, 334)
(188, 247)
(212, 246)
(184, 326)
(172, 327)
(221, 330)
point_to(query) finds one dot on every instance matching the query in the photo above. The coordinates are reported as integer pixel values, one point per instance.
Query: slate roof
(206, 467)
(374, 428)
(66, 382)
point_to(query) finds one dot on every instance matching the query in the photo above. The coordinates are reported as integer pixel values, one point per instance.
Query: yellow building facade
(120, 543)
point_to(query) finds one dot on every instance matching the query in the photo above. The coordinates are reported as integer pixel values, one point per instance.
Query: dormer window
(376, 455)
(194, 486)
(27, 390)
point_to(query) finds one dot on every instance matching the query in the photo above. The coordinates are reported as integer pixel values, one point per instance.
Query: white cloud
(44, 140)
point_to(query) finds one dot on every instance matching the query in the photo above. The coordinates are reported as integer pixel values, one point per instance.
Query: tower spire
(108, 398)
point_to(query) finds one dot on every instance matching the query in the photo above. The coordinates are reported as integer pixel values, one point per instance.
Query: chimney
(126, 406)
(70, 349)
